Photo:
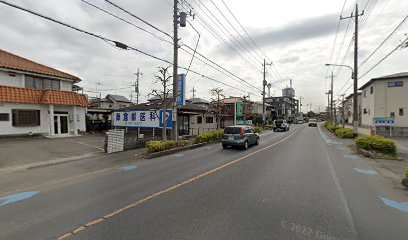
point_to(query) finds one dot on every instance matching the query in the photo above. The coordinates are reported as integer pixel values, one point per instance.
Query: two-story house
(386, 97)
(36, 99)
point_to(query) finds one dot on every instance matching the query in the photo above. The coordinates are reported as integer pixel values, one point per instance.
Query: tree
(217, 104)
(163, 95)
(311, 114)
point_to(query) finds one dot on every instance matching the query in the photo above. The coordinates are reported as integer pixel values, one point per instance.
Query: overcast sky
(296, 35)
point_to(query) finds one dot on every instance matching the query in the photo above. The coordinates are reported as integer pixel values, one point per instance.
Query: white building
(386, 96)
(349, 108)
(36, 99)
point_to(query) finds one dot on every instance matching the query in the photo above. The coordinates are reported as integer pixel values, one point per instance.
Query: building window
(401, 112)
(371, 89)
(4, 117)
(199, 119)
(25, 118)
(365, 111)
(365, 93)
(392, 114)
(396, 84)
(209, 119)
(42, 83)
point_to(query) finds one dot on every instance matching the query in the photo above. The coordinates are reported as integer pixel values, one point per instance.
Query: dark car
(312, 122)
(280, 125)
(240, 136)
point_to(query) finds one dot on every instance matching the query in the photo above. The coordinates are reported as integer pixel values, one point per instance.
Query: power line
(385, 57)
(118, 44)
(385, 40)
(201, 55)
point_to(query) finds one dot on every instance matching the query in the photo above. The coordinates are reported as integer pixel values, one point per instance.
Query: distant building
(348, 108)
(386, 96)
(285, 107)
(36, 99)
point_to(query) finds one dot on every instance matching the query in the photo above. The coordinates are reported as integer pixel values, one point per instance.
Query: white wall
(203, 127)
(80, 118)
(6, 80)
(391, 100)
(6, 127)
(368, 103)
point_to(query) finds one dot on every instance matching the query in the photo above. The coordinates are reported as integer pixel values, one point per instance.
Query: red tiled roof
(35, 96)
(14, 62)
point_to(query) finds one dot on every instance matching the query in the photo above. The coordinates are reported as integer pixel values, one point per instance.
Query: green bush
(257, 129)
(331, 127)
(377, 143)
(158, 146)
(268, 127)
(209, 136)
(406, 173)
(345, 133)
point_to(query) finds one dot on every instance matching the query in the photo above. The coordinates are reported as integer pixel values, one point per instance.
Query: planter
(375, 155)
(405, 182)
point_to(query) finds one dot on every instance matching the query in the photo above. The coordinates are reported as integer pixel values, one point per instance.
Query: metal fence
(386, 131)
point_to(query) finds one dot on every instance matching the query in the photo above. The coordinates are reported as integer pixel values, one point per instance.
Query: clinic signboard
(181, 90)
(141, 119)
(383, 121)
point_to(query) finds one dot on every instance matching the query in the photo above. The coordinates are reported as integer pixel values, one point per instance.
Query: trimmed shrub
(377, 144)
(257, 129)
(331, 127)
(345, 133)
(209, 136)
(268, 127)
(406, 173)
(158, 146)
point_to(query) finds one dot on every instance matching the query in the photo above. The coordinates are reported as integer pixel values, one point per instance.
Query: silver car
(241, 136)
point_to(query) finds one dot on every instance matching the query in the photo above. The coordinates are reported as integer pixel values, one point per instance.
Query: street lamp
(341, 65)
(355, 97)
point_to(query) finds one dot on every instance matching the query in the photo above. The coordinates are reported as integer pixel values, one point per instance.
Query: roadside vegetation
(377, 145)
(158, 146)
(406, 174)
(339, 131)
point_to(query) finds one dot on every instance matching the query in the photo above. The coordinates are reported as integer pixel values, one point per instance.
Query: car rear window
(278, 121)
(232, 130)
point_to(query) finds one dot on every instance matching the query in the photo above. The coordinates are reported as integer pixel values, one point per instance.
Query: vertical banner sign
(168, 117)
(239, 112)
(181, 90)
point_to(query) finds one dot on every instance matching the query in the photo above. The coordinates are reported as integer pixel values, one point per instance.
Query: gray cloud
(289, 59)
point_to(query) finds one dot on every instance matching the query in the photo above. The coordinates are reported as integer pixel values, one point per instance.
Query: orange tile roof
(36, 96)
(14, 62)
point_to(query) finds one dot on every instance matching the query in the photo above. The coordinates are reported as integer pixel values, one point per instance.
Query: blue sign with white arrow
(16, 197)
(403, 206)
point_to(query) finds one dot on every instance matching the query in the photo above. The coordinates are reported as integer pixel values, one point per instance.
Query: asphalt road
(295, 185)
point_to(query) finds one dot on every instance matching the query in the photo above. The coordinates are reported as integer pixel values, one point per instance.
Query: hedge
(331, 127)
(158, 146)
(268, 127)
(345, 133)
(406, 173)
(257, 129)
(209, 136)
(377, 144)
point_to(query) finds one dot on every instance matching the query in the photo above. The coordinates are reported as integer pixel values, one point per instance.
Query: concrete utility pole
(300, 104)
(264, 83)
(175, 68)
(137, 85)
(342, 110)
(328, 117)
(194, 91)
(331, 96)
(269, 89)
(355, 75)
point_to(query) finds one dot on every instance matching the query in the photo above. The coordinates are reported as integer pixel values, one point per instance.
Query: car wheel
(257, 141)
(245, 145)
(274, 130)
(224, 146)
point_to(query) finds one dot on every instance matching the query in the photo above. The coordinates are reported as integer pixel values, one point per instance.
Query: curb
(175, 150)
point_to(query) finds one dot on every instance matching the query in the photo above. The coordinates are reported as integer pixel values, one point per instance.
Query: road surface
(301, 184)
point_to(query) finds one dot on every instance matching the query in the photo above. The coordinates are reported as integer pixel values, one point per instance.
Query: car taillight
(241, 131)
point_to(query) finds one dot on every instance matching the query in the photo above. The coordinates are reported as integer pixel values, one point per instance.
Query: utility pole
(264, 83)
(175, 68)
(269, 89)
(355, 75)
(300, 104)
(137, 85)
(331, 97)
(342, 110)
(194, 91)
(328, 117)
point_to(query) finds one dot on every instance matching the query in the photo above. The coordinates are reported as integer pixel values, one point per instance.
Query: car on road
(299, 121)
(239, 136)
(280, 125)
(312, 122)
